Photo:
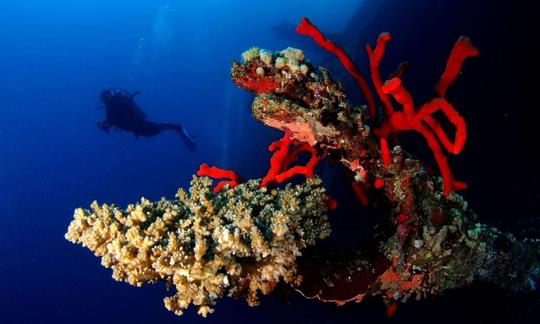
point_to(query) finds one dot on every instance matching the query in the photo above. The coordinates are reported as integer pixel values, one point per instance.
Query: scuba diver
(123, 113)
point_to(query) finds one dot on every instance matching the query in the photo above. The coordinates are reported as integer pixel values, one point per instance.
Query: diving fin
(188, 139)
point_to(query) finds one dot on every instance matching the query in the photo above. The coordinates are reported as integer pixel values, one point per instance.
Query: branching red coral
(462, 50)
(307, 28)
(421, 120)
(360, 193)
(281, 159)
(279, 166)
(217, 173)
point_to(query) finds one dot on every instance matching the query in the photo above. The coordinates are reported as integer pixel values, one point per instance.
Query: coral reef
(428, 239)
(241, 238)
(238, 242)
(436, 245)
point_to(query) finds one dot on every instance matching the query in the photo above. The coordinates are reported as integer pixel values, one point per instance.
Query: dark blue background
(56, 56)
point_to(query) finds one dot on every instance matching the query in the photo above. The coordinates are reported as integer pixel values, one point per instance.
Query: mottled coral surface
(239, 242)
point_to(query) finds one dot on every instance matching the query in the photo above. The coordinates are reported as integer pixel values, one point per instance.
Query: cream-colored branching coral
(238, 242)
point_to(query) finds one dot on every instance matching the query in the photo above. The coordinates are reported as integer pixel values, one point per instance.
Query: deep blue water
(56, 56)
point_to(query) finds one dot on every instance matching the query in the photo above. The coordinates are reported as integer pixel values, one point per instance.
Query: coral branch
(360, 193)
(217, 173)
(422, 120)
(409, 119)
(461, 51)
(425, 114)
(385, 151)
(450, 184)
(281, 159)
(307, 28)
(401, 95)
(375, 58)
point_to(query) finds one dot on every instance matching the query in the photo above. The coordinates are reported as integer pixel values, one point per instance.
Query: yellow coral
(250, 54)
(265, 56)
(239, 242)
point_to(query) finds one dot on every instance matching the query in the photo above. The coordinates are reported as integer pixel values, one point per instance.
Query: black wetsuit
(123, 113)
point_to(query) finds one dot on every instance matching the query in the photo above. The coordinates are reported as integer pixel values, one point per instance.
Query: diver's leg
(149, 128)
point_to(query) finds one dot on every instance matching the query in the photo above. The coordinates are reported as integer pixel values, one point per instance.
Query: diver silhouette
(123, 113)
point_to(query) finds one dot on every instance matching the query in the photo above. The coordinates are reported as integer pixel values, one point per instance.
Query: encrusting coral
(237, 242)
